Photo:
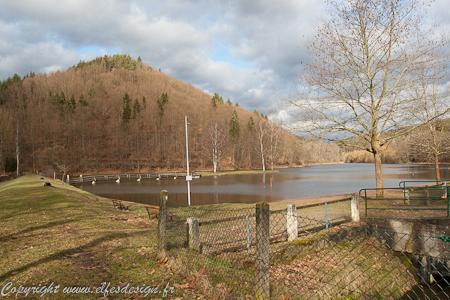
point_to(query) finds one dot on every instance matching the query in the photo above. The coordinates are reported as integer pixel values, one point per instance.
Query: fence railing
(256, 253)
(408, 183)
(413, 198)
(144, 176)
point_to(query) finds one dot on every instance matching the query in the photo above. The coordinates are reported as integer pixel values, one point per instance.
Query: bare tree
(5, 133)
(64, 169)
(274, 133)
(431, 96)
(362, 64)
(215, 142)
(261, 131)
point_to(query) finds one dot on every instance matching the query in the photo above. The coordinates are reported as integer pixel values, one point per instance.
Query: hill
(117, 114)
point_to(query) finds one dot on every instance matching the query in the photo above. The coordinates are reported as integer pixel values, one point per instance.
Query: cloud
(245, 50)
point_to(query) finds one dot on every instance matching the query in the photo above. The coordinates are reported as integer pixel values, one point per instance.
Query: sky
(248, 51)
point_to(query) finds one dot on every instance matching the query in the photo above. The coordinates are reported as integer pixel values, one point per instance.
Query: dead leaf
(181, 286)
(88, 268)
(163, 261)
(122, 284)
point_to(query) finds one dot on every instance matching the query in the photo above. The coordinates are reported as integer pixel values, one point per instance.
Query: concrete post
(163, 198)
(407, 200)
(292, 225)
(355, 207)
(193, 234)
(262, 284)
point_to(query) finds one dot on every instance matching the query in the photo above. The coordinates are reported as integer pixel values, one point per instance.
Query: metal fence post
(262, 283)
(193, 234)
(448, 201)
(355, 207)
(163, 197)
(292, 223)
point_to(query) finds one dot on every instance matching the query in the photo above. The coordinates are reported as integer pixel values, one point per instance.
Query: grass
(61, 235)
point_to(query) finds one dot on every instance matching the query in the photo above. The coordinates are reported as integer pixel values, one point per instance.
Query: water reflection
(294, 183)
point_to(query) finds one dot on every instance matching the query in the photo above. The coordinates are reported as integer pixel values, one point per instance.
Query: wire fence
(256, 253)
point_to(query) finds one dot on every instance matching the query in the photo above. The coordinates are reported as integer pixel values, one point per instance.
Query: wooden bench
(120, 205)
(154, 210)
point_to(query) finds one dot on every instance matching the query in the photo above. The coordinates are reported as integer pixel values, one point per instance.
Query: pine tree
(233, 128)
(250, 124)
(161, 101)
(144, 103)
(126, 114)
(216, 100)
(72, 103)
(136, 108)
(82, 101)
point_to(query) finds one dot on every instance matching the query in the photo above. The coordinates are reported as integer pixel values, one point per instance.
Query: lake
(291, 183)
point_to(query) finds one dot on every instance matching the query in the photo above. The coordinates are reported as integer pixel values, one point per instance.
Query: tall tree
(261, 131)
(431, 97)
(362, 63)
(274, 132)
(126, 109)
(233, 132)
(215, 142)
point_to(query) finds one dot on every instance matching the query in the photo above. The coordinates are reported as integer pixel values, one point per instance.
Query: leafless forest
(116, 114)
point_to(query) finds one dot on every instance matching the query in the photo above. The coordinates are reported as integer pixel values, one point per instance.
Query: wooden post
(355, 207)
(292, 223)
(407, 201)
(163, 198)
(193, 234)
(262, 284)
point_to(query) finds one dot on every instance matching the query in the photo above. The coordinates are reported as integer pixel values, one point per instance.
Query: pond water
(292, 183)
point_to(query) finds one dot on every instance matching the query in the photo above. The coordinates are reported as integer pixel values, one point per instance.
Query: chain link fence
(256, 253)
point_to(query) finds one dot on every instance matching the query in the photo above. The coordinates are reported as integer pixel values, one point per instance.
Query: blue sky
(246, 50)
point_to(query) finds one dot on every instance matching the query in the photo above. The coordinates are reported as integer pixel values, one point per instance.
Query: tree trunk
(436, 167)
(262, 158)
(378, 174)
(17, 148)
(1, 156)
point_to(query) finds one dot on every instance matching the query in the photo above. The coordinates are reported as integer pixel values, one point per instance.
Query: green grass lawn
(61, 236)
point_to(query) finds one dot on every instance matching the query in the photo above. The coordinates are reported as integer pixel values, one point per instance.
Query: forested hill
(116, 114)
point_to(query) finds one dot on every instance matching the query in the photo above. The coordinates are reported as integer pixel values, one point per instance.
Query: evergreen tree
(161, 101)
(250, 124)
(136, 108)
(126, 114)
(233, 128)
(72, 103)
(216, 100)
(144, 103)
(82, 101)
